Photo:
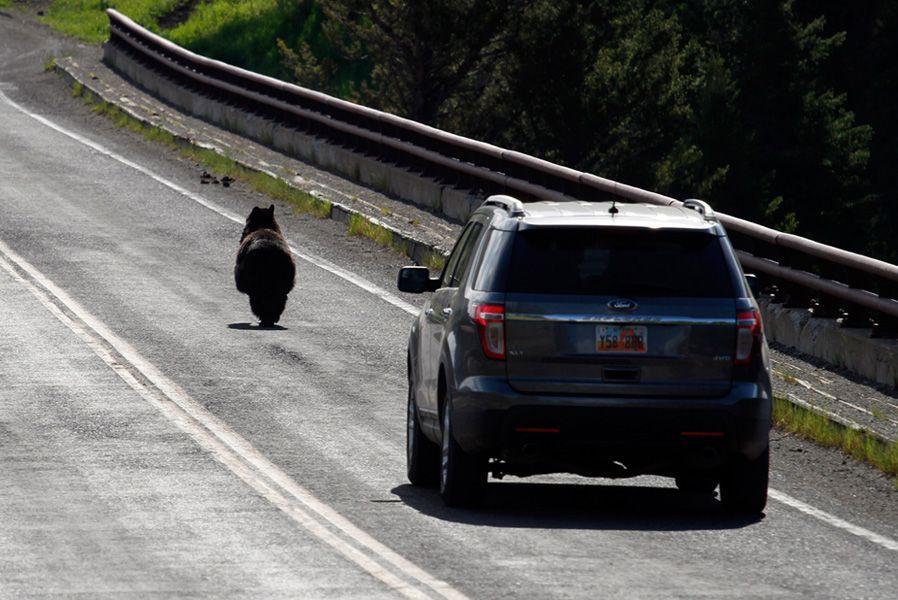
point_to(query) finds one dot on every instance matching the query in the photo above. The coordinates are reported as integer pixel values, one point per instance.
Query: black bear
(265, 269)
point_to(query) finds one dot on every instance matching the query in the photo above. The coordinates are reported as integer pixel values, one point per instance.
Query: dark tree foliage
(865, 69)
(791, 146)
(427, 58)
(605, 87)
(778, 111)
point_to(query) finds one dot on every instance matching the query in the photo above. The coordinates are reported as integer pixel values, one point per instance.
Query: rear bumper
(598, 435)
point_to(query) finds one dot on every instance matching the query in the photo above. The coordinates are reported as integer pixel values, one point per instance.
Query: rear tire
(422, 457)
(743, 488)
(462, 475)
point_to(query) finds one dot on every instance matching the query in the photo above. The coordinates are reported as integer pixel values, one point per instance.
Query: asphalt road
(155, 443)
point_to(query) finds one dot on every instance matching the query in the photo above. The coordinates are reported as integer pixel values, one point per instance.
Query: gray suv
(601, 339)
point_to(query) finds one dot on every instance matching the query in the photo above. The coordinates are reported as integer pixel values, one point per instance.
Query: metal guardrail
(834, 282)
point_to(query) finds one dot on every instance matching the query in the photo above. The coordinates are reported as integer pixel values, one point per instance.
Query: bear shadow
(255, 327)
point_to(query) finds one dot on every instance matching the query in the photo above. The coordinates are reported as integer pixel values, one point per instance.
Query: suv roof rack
(512, 206)
(701, 207)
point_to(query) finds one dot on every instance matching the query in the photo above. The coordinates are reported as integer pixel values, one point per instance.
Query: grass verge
(381, 235)
(435, 262)
(86, 20)
(359, 225)
(816, 427)
(244, 33)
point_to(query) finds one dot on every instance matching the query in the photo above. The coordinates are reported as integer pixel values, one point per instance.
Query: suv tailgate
(669, 347)
(620, 311)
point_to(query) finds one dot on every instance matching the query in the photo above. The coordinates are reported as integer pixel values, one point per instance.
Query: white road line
(881, 540)
(401, 304)
(228, 447)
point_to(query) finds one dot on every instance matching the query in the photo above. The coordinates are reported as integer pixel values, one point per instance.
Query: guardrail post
(885, 326)
(824, 306)
(852, 315)
(794, 296)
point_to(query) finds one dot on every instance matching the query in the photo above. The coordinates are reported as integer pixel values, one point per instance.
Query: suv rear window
(619, 262)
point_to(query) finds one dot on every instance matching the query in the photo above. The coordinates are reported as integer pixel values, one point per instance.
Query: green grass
(301, 201)
(221, 28)
(244, 33)
(816, 427)
(114, 114)
(435, 262)
(359, 225)
(87, 20)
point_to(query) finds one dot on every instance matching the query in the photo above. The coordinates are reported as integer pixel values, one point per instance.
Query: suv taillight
(490, 319)
(748, 334)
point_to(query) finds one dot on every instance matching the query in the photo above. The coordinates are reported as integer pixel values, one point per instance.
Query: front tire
(422, 457)
(743, 488)
(462, 475)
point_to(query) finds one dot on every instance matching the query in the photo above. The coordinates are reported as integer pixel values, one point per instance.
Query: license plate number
(629, 339)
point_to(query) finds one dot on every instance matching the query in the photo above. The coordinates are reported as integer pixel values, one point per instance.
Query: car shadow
(255, 327)
(572, 506)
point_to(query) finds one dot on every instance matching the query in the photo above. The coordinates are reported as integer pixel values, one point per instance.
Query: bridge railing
(835, 283)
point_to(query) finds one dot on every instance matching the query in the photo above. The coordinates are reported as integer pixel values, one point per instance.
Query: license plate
(628, 339)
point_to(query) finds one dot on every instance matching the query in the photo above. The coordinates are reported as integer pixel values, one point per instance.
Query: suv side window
(461, 256)
(493, 269)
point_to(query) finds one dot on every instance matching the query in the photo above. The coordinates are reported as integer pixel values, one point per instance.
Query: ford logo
(622, 304)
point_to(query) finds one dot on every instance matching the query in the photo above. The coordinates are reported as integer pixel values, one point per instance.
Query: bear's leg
(259, 307)
(268, 307)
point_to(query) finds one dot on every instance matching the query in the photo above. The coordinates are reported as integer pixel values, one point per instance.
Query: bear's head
(260, 218)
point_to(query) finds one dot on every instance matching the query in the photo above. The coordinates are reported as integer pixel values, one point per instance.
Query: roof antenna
(613, 210)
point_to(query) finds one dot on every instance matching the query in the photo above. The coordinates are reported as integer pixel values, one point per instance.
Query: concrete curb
(851, 349)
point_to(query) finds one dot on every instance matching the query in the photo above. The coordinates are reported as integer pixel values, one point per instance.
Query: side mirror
(752, 280)
(416, 280)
